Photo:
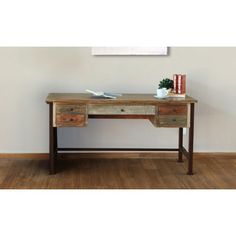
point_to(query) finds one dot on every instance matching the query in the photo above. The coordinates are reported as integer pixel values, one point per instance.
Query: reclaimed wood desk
(75, 109)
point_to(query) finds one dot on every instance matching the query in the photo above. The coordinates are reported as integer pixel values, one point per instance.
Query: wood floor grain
(143, 172)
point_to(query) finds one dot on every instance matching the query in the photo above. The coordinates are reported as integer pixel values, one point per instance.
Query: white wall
(27, 75)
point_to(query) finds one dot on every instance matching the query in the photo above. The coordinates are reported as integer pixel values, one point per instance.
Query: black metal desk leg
(52, 141)
(191, 135)
(180, 156)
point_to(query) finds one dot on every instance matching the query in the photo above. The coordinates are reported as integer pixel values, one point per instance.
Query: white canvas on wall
(129, 51)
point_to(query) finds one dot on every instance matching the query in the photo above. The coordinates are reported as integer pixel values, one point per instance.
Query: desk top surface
(125, 98)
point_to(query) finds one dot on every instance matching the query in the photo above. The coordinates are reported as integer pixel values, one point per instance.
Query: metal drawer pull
(122, 110)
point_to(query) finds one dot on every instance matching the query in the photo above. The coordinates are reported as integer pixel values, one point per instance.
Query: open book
(103, 94)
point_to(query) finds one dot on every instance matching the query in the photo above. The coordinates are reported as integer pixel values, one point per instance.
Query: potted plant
(166, 83)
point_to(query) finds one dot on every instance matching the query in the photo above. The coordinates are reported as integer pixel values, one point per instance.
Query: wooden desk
(75, 110)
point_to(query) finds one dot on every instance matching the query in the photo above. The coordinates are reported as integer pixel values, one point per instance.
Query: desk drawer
(172, 110)
(70, 109)
(120, 110)
(173, 121)
(68, 120)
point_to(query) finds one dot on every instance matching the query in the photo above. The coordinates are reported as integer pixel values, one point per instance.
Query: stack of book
(179, 86)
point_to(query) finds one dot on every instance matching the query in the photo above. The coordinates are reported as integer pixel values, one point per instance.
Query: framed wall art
(129, 51)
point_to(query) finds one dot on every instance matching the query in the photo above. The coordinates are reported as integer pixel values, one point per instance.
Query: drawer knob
(122, 110)
(72, 109)
(174, 119)
(71, 119)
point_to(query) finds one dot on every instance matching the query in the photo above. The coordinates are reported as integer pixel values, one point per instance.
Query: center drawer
(120, 110)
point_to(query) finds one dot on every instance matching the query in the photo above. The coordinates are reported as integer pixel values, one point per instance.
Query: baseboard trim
(115, 155)
(24, 155)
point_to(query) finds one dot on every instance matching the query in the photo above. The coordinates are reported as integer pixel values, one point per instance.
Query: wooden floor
(142, 171)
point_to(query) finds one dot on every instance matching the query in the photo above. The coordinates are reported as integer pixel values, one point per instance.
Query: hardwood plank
(120, 171)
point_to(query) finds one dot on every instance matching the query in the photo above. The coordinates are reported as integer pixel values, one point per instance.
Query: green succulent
(166, 83)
